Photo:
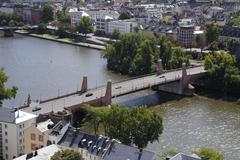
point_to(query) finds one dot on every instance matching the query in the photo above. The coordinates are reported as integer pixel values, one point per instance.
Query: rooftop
(43, 126)
(9, 115)
(104, 147)
(181, 156)
(42, 154)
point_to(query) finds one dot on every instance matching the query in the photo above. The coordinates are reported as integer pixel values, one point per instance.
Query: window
(20, 141)
(33, 146)
(40, 138)
(6, 133)
(20, 126)
(6, 156)
(5, 126)
(6, 140)
(20, 133)
(23, 125)
(6, 148)
(33, 136)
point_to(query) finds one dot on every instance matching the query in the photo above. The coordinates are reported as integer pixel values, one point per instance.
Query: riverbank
(62, 40)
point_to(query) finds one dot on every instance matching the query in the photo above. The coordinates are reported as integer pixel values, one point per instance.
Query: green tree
(63, 19)
(170, 153)
(61, 32)
(137, 126)
(223, 72)
(209, 154)
(6, 93)
(67, 155)
(115, 34)
(212, 32)
(200, 42)
(124, 15)
(233, 22)
(42, 28)
(85, 25)
(47, 13)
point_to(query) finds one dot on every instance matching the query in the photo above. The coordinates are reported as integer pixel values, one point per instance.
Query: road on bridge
(118, 88)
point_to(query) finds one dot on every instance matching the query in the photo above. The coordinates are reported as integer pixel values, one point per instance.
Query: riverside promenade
(62, 40)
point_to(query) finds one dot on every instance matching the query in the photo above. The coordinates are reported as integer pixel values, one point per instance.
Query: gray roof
(123, 152)
(181, 156)
(104, 147)
(7, 115)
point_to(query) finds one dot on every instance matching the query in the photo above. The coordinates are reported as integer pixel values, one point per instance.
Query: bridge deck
(118, 89)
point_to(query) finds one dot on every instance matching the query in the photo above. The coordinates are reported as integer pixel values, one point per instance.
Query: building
(185, 33)
(123, 26)
(77, 16)
(230, 33)
(41, 154)
(181, 156)
(37, 136)
(13, 124)
(102, 23)
(102, 148)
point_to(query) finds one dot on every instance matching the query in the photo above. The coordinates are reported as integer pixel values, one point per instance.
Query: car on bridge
(88, 94)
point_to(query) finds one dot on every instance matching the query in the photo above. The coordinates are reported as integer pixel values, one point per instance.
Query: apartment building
(37, 136)
(13, 124)
(123, 26)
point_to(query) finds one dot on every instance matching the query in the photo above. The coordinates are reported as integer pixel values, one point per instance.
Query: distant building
(185, 34)
(13, 125)
(77, 16)
(123, 26)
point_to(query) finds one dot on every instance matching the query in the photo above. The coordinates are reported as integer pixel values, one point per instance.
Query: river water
(46, 69)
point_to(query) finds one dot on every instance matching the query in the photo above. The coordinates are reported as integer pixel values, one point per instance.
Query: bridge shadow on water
(146, 97)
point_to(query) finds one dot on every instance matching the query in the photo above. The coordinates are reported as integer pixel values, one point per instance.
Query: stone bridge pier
(8, 33)
(182, 87)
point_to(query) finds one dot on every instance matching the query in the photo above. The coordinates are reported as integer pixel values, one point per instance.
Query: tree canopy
(85, 25)
(47, 13)
(137, 126)
(67, 155)
(15, 19)
(223, 72)
(209, 154)
(138, 53)
(124, 15)
(233, 22)
(6, 93)
(212, 32)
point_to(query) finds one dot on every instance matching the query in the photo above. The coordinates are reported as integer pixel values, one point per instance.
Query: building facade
(123, 26)
(185, 33)
(12, 127)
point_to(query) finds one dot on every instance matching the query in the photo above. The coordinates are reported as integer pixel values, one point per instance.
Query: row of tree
(132, 126)
(138, 53)
(15, 19)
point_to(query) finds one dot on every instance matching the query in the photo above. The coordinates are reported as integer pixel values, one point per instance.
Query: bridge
(8, 31)
(103, 95)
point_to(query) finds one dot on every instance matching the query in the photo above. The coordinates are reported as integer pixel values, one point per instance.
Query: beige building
(37, 136)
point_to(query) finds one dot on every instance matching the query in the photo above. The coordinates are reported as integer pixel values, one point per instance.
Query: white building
(12, 126)
(123, 26)
(94, 14)
(77, 16)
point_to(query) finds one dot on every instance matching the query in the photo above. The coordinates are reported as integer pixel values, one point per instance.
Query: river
(46, 69)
